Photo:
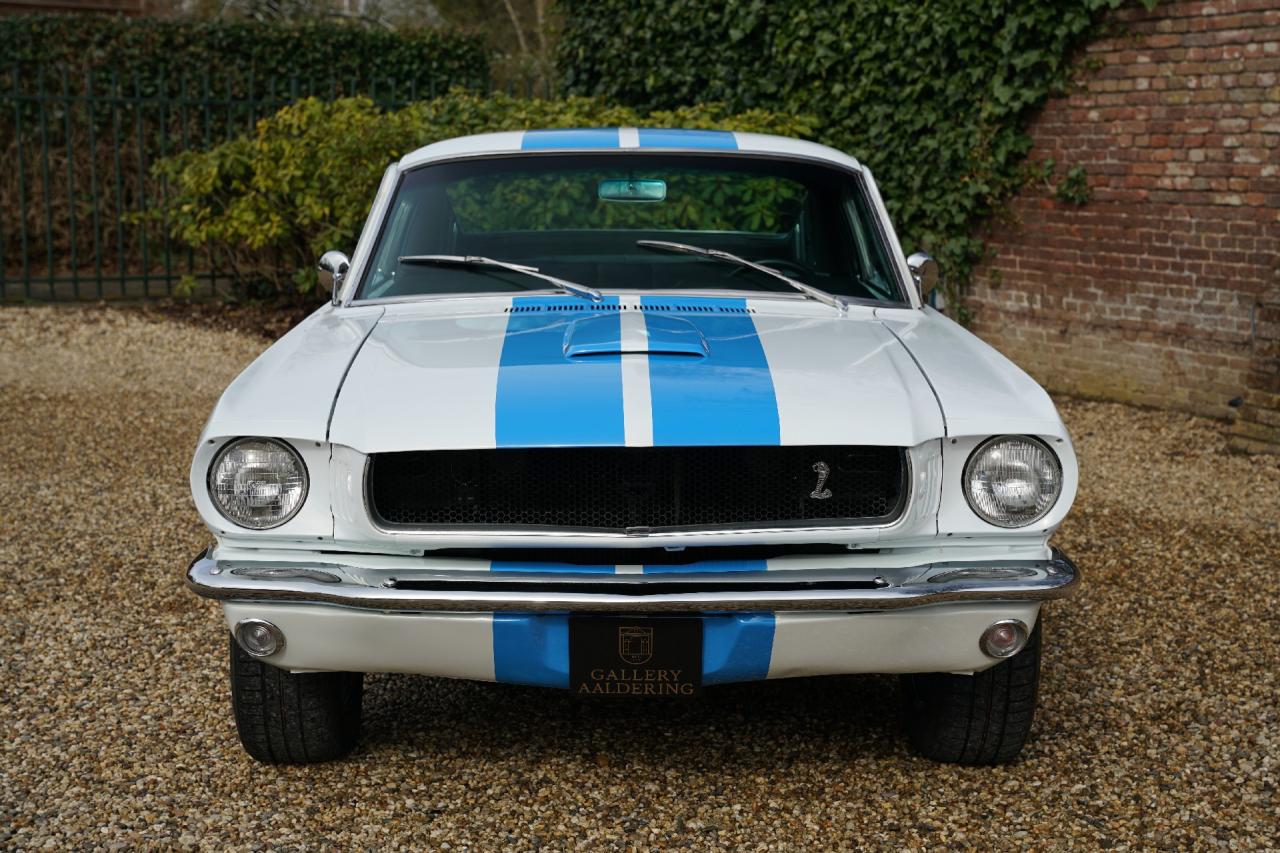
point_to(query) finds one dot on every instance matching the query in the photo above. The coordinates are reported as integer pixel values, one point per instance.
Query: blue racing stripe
(726, 398)
(709, 566)
(531, 648)
(658, 137)
(549, 568)
(736, 647)
(545, 399)
(594, 137)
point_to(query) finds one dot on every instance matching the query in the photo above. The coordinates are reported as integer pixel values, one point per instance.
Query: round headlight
(258, 482)
(1012, 480)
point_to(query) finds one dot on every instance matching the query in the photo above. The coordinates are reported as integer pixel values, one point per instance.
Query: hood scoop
(615, 308)
(657, 335)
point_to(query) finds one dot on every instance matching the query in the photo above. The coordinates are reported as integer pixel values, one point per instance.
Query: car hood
(630, 371)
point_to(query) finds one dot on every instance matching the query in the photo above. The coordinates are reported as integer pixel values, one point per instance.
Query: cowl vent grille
(642, 309)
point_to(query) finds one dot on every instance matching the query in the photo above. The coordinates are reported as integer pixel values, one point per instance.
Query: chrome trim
(571, 287)
(877, 588)
(364, 244)
(924, 272)
(285, 573)
(837, 302)
(639, 537)
(333, 266)
(890, 236)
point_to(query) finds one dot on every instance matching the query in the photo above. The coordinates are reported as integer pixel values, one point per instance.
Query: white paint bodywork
(449, 349)
(421, 373)
(941, 638)
(426, 376)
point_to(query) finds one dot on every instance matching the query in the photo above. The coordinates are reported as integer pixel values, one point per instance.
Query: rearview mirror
(924, 271)
(333, 268)
(628, 189)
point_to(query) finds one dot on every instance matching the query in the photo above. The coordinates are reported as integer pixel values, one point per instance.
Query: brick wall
(1163, 288)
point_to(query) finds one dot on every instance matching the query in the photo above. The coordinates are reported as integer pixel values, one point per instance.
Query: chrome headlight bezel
(1021, 521)
(248, 523)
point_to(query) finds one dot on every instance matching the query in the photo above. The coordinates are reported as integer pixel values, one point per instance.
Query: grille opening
(647, 556)
(649, 587)
(637, 489)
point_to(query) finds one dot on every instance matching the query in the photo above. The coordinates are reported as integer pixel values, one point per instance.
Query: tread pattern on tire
(983, 718)
(288, 718)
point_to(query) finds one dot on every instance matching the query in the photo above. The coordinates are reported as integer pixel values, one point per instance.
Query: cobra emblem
(820, 492)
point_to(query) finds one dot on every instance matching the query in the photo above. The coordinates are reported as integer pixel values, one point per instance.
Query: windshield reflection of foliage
(699, 201)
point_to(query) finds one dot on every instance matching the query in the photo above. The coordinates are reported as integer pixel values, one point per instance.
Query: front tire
(975, 719)
(294, 718)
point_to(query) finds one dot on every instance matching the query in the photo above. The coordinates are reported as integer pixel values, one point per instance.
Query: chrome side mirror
(333, 268)
(924, 271)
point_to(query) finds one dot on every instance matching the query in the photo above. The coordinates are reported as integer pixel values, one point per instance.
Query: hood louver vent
(643, 309)
(697, 309)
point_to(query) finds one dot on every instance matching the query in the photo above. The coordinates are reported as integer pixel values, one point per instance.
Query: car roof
(624, 139)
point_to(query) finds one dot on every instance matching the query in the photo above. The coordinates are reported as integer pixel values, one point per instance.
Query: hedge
(245, 59)
(932, 96)
(270, 203)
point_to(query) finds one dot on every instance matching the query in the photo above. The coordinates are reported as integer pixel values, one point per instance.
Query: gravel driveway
(1157, 726)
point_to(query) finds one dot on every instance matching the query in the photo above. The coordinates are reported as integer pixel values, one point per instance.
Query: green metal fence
(77, 152)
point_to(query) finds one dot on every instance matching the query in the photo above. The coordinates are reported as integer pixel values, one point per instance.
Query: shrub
(931, 95)
(271, 203)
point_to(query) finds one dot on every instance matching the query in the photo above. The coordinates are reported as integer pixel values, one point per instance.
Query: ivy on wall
(932, 96)
(244, 59)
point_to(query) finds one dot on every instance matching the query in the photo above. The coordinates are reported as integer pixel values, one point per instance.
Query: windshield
(579, 217)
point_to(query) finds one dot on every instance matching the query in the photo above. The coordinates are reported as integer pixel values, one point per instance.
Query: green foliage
(1074, 187)
(696, 200)
(269, 204)
(932, 96)
(244, 59)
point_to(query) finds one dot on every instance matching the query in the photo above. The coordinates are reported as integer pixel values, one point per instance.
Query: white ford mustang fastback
(631, 412)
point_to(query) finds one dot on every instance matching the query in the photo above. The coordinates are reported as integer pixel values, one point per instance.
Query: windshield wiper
(571, 287)
(837, 302)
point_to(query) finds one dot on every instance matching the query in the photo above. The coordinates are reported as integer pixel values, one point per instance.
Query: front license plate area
(635, 657)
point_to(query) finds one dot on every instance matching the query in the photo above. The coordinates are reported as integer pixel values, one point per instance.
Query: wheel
(288, 718)
(975, 719)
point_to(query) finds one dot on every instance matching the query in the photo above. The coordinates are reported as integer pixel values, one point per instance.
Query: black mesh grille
(614, 488)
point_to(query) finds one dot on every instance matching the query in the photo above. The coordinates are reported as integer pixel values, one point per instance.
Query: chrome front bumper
(842, 590)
